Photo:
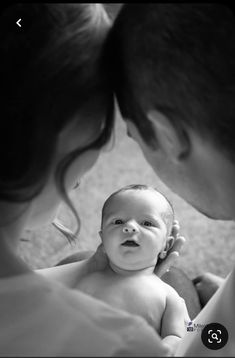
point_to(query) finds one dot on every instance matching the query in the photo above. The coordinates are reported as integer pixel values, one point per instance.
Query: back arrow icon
(18, 22)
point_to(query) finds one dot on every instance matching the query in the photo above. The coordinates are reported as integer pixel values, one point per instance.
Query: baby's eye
(147, 223)
(118, 222)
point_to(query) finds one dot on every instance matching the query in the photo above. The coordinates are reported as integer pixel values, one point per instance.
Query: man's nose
(130, 228)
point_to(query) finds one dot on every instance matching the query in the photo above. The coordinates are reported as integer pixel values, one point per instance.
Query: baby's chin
(131, 268)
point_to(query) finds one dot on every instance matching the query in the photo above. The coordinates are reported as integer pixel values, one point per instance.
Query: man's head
(174, 78)
(136, 226)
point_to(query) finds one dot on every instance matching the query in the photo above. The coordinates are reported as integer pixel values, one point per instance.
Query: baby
(135, 231)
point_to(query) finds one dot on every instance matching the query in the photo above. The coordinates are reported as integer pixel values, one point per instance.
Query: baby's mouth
(130, 243)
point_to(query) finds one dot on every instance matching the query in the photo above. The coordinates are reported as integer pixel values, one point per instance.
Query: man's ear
(173, 142)
(100, 233)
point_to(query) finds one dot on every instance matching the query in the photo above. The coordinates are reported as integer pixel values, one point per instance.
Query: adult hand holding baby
(206, 285)
(172, 255)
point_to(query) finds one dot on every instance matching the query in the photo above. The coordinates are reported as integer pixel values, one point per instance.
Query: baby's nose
(129, 229)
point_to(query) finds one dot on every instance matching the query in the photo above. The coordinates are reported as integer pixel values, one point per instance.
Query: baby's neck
(120, 271)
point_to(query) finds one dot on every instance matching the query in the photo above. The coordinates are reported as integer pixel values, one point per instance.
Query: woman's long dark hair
(50, 68)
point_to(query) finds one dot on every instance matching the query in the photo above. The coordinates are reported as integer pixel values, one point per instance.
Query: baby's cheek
(154, 249)
(106, 243)
(111, 251)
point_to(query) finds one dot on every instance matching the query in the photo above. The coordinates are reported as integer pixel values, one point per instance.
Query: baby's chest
(142, 299)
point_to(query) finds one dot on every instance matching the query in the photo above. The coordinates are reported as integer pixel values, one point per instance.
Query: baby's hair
(50, 68)
(177, 58)
(167, 215)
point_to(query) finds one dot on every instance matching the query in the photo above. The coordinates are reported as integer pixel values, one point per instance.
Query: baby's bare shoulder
(91, 276)
(154, 281)
(146, 285)
(90, 282)
(154, 288)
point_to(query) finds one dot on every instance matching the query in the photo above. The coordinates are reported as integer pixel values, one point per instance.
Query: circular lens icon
(214, 336)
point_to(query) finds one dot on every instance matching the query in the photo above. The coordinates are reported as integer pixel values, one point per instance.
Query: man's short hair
(179, 59)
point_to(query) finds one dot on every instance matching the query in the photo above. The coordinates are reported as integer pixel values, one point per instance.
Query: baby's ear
(101, 234)
(169, 243)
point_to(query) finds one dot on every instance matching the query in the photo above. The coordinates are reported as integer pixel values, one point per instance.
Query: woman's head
(56, 97)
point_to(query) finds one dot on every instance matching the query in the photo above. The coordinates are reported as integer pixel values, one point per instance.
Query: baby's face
(133, 230)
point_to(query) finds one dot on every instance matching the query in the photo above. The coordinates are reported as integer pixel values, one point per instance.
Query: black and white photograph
(117, 180)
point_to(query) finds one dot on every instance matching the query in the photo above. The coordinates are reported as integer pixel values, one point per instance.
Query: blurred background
(210, 244)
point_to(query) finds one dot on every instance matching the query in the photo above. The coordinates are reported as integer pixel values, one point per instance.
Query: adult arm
(206, 285)
(70, 274)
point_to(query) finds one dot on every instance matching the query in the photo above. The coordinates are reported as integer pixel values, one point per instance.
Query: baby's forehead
(139, 198)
